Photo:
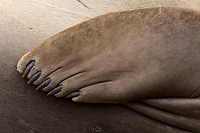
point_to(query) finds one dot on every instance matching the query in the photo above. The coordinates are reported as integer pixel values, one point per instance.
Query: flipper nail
(28, 68)
(43, 84)
(54, 91)
(34, 77)
(74, 94)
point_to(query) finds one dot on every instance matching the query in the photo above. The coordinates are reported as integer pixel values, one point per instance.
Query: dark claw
(28, 68)
(54, 91)
(34, 77)
(43, 84)
(74, 94)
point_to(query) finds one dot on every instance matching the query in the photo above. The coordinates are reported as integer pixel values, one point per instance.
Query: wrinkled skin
(149, 55)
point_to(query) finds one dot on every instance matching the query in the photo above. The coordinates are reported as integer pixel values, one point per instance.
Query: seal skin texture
(150, 55)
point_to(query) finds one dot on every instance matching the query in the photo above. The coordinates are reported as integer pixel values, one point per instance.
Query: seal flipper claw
(74, 94)
(34, 77)
(43, 84)
(54, 91)
(28, 68)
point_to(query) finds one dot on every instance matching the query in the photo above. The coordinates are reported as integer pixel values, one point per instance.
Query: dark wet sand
(25, 110)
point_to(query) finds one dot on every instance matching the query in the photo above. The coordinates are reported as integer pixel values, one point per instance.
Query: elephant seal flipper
(143, 54)
(25, 110)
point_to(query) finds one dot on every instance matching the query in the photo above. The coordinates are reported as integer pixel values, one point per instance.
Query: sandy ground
(26, 23)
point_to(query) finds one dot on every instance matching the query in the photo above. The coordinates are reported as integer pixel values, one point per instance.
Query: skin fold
(147, 59)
